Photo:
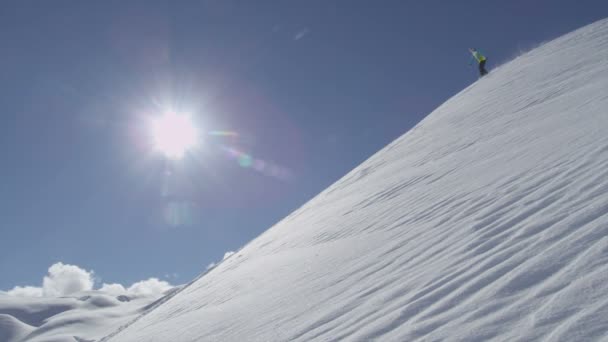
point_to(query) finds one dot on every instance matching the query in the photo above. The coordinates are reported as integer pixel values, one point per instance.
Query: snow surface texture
(488, 220)
(80, 317)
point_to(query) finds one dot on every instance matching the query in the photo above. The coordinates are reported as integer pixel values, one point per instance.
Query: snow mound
(487, 221)
(34, 311)
(101, 301)
(86, 316)
(11, 329)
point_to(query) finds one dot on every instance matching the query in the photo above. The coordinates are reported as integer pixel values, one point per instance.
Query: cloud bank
(25, 291)
(64, 280)
(150, 287)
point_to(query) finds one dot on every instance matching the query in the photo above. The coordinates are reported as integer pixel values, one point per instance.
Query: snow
(66, 308)
(11, 329)
(82, 316)
(487, 221)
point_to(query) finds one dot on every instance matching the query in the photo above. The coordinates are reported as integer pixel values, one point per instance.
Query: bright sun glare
(174, 135)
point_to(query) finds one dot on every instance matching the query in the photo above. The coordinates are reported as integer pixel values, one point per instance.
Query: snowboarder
(481, 59)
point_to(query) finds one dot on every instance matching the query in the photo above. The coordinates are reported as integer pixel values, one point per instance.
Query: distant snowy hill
(488, 220)
(77, 318)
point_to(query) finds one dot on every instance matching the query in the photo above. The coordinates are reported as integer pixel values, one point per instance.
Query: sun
(174, 134)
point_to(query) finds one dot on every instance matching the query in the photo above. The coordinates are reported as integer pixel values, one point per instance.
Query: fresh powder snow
(487, 221)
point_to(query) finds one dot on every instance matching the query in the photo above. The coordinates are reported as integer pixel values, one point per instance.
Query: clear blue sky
(313, 87)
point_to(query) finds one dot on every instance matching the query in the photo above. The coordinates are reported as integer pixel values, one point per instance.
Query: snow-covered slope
(80, 317)
(488, 220)
(12, 329)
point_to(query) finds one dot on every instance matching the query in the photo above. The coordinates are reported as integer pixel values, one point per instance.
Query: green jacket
(478, 56)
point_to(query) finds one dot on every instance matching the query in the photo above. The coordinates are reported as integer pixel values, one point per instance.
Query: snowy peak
(488, 220)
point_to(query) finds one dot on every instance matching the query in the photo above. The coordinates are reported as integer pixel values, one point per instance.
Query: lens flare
(247, 161)
(223, 134)
(178, 213)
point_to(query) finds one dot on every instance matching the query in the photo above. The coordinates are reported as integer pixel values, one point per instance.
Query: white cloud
(25, 291)
(227, 255)
(66, 279)
(113, 289)
(152, 286)
(63, 280)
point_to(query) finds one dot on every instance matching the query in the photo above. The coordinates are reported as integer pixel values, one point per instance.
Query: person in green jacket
(481, 60)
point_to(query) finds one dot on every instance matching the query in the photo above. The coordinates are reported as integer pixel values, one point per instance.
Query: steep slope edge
(488, 219)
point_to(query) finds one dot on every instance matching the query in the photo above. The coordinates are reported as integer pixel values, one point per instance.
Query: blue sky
(312, 88)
